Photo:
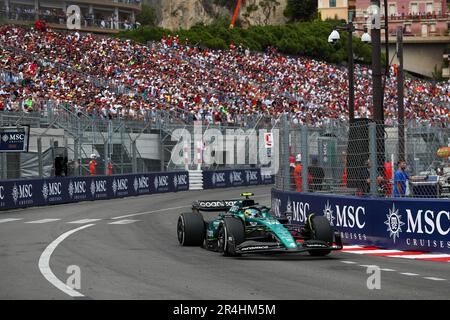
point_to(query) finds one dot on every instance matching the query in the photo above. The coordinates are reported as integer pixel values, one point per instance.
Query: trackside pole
(199, 155)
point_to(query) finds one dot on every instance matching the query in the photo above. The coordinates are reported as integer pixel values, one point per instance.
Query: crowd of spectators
(109, 77)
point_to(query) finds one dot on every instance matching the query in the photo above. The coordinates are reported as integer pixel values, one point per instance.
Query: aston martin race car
(244, 227)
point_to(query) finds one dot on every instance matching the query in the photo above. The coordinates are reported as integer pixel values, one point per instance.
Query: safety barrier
(404, 224)
(41, 192)
(235, 178)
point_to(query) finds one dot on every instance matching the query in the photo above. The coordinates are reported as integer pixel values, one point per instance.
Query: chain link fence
(63, 143)
(363, 159)
(64, 139)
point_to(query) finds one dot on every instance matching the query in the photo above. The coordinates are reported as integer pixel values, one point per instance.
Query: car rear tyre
(321, 230)
(230, 227)
(190, 229)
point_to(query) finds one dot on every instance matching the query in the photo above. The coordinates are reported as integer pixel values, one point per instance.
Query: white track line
(149, 212)
(348, 262)
(422, 256)
(173, 208)
(367, 265)
(387, 270)
(374, 251)
(351, 247)
(43, 221)
(434, 279)
(123, 222)
(83, 221)
(409, 274)
(44, 263)
(10, 220)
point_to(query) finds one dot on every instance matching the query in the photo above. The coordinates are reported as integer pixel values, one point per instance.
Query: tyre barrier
(391, 223)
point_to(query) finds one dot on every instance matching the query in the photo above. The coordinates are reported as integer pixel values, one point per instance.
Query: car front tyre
(190, 229)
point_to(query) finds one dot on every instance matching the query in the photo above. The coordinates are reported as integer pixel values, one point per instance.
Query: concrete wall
(46, 135)
(420, 57)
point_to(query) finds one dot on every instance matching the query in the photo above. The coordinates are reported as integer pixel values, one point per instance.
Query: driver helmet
(251, 213)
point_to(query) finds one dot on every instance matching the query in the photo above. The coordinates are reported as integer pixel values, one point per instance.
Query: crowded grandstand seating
(109, 78)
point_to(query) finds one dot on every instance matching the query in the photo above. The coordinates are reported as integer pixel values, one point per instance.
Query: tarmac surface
(127, 249)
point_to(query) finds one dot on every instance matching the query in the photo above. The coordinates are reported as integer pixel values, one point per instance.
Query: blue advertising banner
(40, 192)
(14, 139)
(234, 178)
(404, 224)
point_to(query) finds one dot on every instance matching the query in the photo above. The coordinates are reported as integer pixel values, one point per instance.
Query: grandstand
(110, 78)
(80, 82)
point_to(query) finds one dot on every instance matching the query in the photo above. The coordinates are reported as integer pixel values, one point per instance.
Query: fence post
(40, 164)
(373, 157)
(134, 160)
(122, 128)
(161, 150)
(76, 157)
(78, 149)
(285, 154)
(106, 149)
(305, 158)
(52, 146)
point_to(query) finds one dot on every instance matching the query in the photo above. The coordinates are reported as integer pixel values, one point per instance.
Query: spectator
(110, 167)
(298, 173)
(92, 165)
(109, 78)
(400, 179)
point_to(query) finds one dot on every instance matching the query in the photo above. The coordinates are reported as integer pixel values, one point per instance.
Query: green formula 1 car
(244, 226)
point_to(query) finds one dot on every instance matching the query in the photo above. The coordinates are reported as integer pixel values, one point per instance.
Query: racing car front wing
(275, 247)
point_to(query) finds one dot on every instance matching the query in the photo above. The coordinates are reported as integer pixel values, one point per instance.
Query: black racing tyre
(190, 229)
(230, 227)
(321, 230)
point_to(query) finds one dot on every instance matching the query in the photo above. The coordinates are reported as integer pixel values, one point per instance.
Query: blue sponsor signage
(14, 139)
(39, 192)
(404, 224)
(234, 178)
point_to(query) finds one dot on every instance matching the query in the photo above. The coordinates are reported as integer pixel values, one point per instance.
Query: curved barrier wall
(41, 192)
(404, 224)
(235, 178)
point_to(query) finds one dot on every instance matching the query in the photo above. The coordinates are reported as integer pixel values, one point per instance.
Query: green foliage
(301, 38)
(147, 16)
(301, 10)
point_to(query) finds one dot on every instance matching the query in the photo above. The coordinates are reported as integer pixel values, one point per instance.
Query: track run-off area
(128, 249)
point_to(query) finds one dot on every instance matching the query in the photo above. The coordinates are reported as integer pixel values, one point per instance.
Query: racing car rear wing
(213, 205)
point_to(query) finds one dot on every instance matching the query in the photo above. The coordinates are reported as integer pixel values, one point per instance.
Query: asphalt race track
(127, 249)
